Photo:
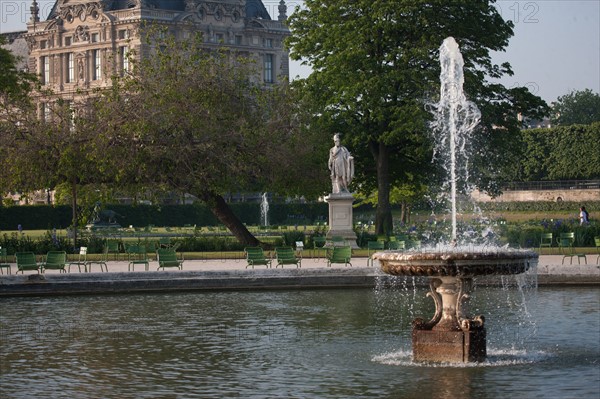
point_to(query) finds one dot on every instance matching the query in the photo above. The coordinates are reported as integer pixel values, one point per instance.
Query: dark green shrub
(290, 237)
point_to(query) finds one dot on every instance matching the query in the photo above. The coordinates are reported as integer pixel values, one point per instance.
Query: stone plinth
(340, 217)
(449, 346)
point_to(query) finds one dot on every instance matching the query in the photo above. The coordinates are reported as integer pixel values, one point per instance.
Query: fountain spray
(455, 120)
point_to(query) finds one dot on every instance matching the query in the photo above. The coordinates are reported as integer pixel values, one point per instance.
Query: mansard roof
(254, 8)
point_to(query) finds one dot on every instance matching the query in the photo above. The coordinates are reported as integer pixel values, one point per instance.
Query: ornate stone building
(83, 43)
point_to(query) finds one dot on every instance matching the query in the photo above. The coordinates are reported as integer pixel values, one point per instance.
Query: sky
(555, 49)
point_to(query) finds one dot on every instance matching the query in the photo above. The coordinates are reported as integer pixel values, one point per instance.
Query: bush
(22, 243)
(38, 217)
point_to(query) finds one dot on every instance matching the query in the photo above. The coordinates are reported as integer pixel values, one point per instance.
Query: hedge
(40, 217)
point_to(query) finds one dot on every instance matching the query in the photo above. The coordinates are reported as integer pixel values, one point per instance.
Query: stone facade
(83, 43)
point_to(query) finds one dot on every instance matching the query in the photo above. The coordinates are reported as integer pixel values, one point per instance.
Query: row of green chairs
(115, 249)
(255, 256)
(137, 254)
(57, 260)
(53, 260)
(565, 244)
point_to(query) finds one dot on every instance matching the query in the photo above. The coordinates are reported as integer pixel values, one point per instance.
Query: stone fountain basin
(456, 262)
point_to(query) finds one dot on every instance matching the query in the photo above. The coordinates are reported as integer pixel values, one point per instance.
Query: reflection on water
(303, 344)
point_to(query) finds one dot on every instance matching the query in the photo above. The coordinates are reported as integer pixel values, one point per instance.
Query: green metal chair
(597, 241)
(338, 241)
(255, 256)
(167, 257)
(372, 247)
(286, 256)
(565, 240)
(26, 261)
(54, 260)
(397, 245)
(340, 255)
(81, 260)
(102, 262)
(546, 241)
(137, 255)
(112, 247)
(566, 245)
(4, 262)
(318, 244)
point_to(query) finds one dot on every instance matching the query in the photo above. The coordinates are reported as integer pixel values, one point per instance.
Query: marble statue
(341, 165)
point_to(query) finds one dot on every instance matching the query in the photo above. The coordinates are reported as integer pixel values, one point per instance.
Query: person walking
(584, 216)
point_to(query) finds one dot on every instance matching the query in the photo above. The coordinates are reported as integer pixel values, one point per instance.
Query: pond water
(352, 343)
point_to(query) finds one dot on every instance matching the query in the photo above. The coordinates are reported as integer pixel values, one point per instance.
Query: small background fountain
(264, 210)
(452, 335)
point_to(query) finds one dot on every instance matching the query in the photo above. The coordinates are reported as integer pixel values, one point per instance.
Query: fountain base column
(450, 336)
(449, 346)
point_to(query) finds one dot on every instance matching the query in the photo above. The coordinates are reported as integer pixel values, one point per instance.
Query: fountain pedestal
(449, 346)
(452, 335)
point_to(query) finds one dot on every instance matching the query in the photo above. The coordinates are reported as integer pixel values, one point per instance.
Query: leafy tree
(196, 121)
(375, 68)
(577, 107)
(561, 153)
(55, 149)
(15, 103)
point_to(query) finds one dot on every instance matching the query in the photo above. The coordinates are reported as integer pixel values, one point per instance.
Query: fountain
(452, 335)
(264, 210)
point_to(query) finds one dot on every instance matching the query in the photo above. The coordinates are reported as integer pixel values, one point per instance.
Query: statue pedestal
(340, 217)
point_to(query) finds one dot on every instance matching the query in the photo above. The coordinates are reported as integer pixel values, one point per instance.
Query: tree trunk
(74, 214)
(225, 215)
(383, 216)
(403, 212)
(405, 215)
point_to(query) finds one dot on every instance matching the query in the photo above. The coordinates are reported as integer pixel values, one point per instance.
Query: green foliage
(291, 237)
(537, 206)
(34, 217)
(528, 235)
(561, 153)
(38, 217)
(16, 242)
(577, 107)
